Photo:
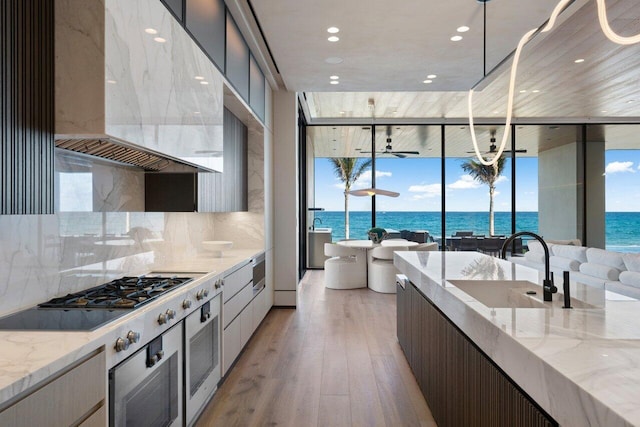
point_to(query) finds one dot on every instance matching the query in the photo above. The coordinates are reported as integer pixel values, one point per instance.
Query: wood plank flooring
(333, 361)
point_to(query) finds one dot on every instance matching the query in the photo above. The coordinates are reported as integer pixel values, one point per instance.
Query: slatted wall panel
(26, 106)
(460, 383)
(227, 191)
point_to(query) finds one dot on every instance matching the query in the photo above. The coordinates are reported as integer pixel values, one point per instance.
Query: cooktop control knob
(160, 354)
(121, 344)
(186, 304)
(218, 284)
(133, 337)
(171, 314)
(202, 293)
(163, 318)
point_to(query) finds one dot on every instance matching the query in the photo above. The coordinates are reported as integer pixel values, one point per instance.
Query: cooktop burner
(125, 293)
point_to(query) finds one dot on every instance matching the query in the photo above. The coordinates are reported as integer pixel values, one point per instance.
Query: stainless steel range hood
(122, 96)
(119, 151)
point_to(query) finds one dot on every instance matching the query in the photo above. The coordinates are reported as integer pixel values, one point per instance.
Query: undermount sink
(512, 294)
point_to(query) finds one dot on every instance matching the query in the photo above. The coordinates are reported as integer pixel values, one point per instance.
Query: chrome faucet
(313, 226)
(548, 288)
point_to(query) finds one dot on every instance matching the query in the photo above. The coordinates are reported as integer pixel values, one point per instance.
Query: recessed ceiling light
(199, 78)
(456, 38)
(578, 61)
(523, 91)
(196, 112)
(334, 77)
(151, 31)
(204, 82)
(111, 81)
(334, 60)
(462, 29)
(427, 81)
(333, 30)
(535, 91)
(334, 82)
(630, 101)
(603, 111)
(333, 39)
(495, 112)
(341, 112)
(159, 39)
(431, 76)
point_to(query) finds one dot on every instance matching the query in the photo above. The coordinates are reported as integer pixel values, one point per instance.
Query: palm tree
(486, 175)
(348, 170)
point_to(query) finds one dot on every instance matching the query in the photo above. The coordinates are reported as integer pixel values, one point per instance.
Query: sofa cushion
(632, 262)
(534, 256)
(568, 264)
(535, 246)
(578, 253)
(608, 258)
(600, 271)
(631, 278)
(571, 242)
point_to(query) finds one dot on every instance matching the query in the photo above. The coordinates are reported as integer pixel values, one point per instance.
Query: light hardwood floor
(333, 361)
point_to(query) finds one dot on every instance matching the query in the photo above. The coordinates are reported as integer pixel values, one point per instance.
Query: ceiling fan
(493, 148)
(389, 150)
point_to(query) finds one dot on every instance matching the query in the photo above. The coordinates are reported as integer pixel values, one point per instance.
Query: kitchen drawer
(235, 281)
(97, 419)
(231, 344)
(260, 308)
(246, 324)
(63, 401)
(235, 305)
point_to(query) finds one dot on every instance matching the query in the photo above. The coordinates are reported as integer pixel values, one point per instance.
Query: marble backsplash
(44, 256)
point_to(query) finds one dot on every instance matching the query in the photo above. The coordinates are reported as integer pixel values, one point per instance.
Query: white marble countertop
(582, 366)
(28, 357)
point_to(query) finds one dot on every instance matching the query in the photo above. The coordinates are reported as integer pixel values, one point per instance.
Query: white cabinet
(243, 312)
(75, 396)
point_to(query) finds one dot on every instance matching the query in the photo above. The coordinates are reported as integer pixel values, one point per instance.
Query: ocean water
(622, 228)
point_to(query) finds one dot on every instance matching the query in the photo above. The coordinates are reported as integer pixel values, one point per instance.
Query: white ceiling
(390, 48)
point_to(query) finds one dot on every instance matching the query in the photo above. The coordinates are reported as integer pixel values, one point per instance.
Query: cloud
(365, 179)
(501, 178)
(427, 190)
(465, 182)
(615, 167)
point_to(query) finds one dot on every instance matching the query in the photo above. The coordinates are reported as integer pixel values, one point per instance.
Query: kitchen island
(576, 367)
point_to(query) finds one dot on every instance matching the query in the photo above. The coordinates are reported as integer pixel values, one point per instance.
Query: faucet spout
(313, 226)
(548, 286)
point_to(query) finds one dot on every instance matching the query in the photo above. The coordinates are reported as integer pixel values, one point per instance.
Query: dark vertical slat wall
(227, 191)
(26, 106)
(460, 383)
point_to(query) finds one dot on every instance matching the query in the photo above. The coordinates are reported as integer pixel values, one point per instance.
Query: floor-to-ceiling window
(475, 191)
(338, 150)
(526, 178)
(622, 186)
(408, 161)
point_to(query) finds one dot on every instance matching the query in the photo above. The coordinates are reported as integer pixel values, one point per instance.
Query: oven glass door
(202, 346)
(149, 396)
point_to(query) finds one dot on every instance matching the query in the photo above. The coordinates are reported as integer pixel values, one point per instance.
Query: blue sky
(418, 182)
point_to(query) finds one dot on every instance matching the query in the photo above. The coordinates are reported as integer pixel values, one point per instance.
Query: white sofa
(612, 271)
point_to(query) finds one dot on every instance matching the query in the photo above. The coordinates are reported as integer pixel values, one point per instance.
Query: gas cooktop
(89, 309)
(127, 292)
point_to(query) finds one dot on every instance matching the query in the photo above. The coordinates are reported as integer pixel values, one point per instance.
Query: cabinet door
(231, 344)
(246, 324)
(237, 60)
(206, 21)
(27, 107)
(63, 401)
(175, 7)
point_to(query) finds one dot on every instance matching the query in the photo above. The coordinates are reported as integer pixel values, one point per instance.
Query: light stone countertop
(582, 366)
(29, 357)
